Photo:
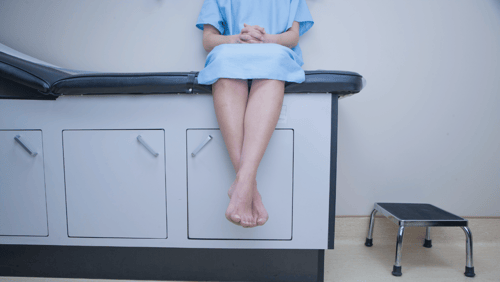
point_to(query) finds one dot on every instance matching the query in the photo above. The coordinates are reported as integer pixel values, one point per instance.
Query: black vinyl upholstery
(44, 82)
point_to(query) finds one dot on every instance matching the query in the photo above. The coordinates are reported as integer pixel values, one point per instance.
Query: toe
(254, 222)
(235, 218)
(248, 222)
(245, 223)
(261, 221)
(228, 217)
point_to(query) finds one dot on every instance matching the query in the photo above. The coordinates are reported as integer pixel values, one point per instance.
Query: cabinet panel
(115, 187)
(23, 207)
(210, 174)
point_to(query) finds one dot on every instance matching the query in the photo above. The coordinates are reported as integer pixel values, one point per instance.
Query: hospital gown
(254, 60)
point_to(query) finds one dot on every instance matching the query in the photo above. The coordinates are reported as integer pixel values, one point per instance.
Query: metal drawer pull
(24, 146)
(139, 138)
(201, 145)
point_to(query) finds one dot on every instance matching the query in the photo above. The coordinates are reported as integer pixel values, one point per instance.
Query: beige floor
(352, 261)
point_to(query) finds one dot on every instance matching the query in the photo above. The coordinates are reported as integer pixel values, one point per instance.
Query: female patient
(256, 40)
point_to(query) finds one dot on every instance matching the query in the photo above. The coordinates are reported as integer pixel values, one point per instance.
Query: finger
(249, 40)
(247, 29)
(254, 27)
(249, 36)
(250, 28)
(261, 29)
(257, 35)
(254, 34)
(245, 37)
(245, 25)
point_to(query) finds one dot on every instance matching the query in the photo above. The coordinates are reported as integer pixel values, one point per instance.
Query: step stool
(420, 215)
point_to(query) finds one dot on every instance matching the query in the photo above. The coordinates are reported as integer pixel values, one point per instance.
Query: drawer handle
(25, 146)
(201, 145)
(139, 138)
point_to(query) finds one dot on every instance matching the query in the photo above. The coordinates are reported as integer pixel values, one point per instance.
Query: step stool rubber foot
(369, 242)
(469, 272)
(396, 271)
(427, 243)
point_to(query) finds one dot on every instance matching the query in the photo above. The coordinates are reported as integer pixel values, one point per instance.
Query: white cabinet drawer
(23, 207)
(210, 174)
(115, 187)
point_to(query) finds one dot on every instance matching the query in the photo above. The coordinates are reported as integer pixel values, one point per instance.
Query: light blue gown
(254, 60)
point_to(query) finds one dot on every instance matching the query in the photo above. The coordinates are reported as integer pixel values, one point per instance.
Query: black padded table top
(24, 79)
(419, 215)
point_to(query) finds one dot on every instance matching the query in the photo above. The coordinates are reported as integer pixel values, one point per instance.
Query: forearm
(210, 41)
(289, 38)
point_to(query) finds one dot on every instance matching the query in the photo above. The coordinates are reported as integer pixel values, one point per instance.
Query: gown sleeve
(300, 12)
(210, 14)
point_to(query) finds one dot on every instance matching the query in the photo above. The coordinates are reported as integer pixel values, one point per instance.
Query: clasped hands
(252, 34)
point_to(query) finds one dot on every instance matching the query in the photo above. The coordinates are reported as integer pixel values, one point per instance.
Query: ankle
(245, 177)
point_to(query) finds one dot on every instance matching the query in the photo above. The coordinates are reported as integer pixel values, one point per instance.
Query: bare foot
(239, 210)
(230, 193)
(231, 190)
(259, 212)
(259, 208)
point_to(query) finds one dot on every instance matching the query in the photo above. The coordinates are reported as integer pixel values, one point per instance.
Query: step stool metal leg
(469, 268)
(369, 239)
(396, 270)
(428, 241)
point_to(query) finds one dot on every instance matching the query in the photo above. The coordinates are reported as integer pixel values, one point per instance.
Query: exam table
(125, 176)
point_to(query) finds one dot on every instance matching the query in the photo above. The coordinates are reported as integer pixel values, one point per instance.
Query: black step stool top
(418, 215)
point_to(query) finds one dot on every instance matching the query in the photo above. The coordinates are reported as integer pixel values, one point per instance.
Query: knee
(273, 85)
(229, 82)
(274, 82)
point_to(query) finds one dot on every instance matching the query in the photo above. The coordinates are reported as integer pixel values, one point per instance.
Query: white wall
(425, 129)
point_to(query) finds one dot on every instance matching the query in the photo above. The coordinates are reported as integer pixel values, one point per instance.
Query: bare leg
(261, 116)
(230, 100)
